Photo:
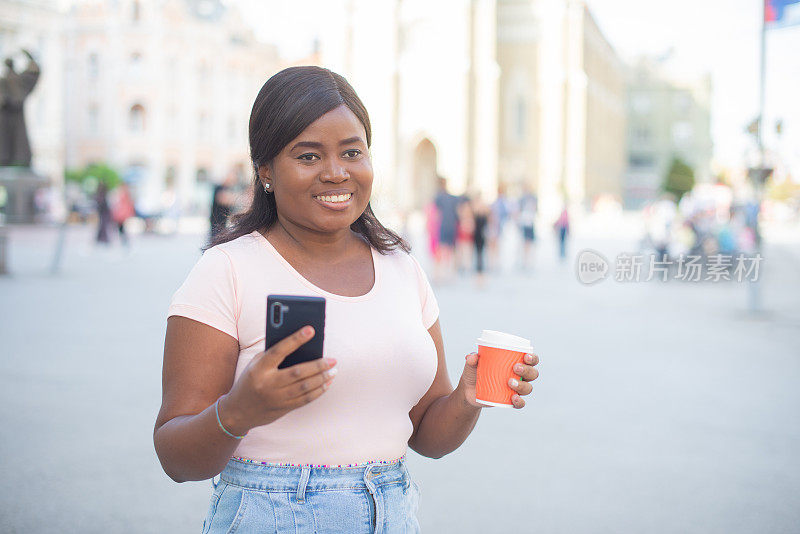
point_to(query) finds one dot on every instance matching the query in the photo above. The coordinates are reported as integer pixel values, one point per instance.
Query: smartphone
(286, 314)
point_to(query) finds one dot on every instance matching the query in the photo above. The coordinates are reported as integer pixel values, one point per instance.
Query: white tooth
(335, 198)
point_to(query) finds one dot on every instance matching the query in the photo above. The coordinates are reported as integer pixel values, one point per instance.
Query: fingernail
(513, 382)
(330, 373)
(330, 361)
(519, 369)
(529, 358)
(307, 331)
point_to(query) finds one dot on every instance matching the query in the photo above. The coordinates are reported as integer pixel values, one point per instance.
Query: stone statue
(14, 88)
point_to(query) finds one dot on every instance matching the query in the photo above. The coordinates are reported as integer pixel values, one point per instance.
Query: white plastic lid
(501, 340)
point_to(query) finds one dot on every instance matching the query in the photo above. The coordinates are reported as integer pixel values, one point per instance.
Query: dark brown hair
(285, 106)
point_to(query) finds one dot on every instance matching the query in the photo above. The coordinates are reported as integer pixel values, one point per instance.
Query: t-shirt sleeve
(430, 307)
(209, 294)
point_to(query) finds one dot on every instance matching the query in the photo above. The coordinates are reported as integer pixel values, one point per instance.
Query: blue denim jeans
(375, 498)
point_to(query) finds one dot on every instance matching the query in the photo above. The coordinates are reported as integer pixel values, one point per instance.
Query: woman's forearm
(193, 447)
(447, 423)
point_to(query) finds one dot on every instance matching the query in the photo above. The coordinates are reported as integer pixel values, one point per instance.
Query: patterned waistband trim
(289, 464)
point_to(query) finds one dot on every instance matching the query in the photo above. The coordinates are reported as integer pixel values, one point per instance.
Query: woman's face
(322, 180)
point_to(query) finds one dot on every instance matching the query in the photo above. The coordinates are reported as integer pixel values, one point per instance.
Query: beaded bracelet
(216, 410)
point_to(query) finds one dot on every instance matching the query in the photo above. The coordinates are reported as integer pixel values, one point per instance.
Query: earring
(266, 188)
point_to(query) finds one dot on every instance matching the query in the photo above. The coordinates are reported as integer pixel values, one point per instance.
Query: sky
(720, 37)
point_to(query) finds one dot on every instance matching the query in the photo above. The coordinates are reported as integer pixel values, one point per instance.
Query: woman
(103, 213)
(432, 222)
(561, 226)
(464, 234)
(481, 213)
(528, 206)
(304, 449)
(123, 210)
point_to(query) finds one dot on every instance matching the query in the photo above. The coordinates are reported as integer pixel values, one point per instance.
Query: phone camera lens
(276, 314)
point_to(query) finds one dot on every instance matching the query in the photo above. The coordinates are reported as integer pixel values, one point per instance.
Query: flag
(781, 12)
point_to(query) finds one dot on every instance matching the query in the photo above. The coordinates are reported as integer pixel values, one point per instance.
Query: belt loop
(215, 484)
(301, 487)
(368, 478)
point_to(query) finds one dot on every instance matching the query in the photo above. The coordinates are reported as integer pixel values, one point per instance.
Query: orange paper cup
(497, 354)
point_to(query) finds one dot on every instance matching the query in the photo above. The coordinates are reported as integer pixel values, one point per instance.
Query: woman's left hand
(526, 371)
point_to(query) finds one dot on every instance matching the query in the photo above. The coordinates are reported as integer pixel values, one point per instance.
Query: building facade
(669, 117)
(427, 73)
(561, 108)
(162, 90)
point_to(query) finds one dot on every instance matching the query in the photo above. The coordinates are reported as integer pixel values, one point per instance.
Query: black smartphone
(286, 314)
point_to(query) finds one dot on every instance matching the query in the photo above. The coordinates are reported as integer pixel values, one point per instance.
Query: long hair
(285, 106)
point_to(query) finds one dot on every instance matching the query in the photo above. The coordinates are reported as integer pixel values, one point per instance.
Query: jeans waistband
(310, 478)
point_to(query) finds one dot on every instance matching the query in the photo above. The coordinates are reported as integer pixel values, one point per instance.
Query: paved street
(661, 407)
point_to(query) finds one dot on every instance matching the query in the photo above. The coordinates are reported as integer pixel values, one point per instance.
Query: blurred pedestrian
(447, 206)
(103, 212)
(480, 212)
(500, 212)
(464, 232)
(561, 227)
(223, 199)
(122, 210)
(171, 206)
(659, 224)
(528, 209)
(432, 223)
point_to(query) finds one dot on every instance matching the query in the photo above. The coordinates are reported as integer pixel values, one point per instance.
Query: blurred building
(562, 103)
(483, 92)
(427, 73)
(669, 116)
(37, 26)
(162, 90)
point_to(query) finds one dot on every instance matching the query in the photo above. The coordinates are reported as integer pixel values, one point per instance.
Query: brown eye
(352, 153)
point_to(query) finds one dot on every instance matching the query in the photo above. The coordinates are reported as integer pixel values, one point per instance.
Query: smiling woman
(295, 449)
(294, 113)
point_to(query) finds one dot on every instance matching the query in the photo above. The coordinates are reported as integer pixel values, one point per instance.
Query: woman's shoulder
(237, 247)
(405, 261)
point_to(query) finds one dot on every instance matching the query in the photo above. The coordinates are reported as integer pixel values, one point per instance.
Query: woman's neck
(330, 246)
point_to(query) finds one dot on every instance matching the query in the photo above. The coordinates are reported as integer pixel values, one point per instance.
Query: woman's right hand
(263, 393)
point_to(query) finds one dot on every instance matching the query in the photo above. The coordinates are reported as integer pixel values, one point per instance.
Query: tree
(91, 175)
(679, 179)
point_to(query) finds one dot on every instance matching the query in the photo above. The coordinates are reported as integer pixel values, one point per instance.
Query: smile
(337, 202)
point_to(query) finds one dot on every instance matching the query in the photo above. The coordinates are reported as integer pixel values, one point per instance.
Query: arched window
(203, 126)
(94, 66)
(136, 65)
(425, 173)
(136, 118)
(169, 176)
(520, 118)
(94, 118)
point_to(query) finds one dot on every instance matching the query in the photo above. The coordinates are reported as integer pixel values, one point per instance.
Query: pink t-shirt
(386, 357)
